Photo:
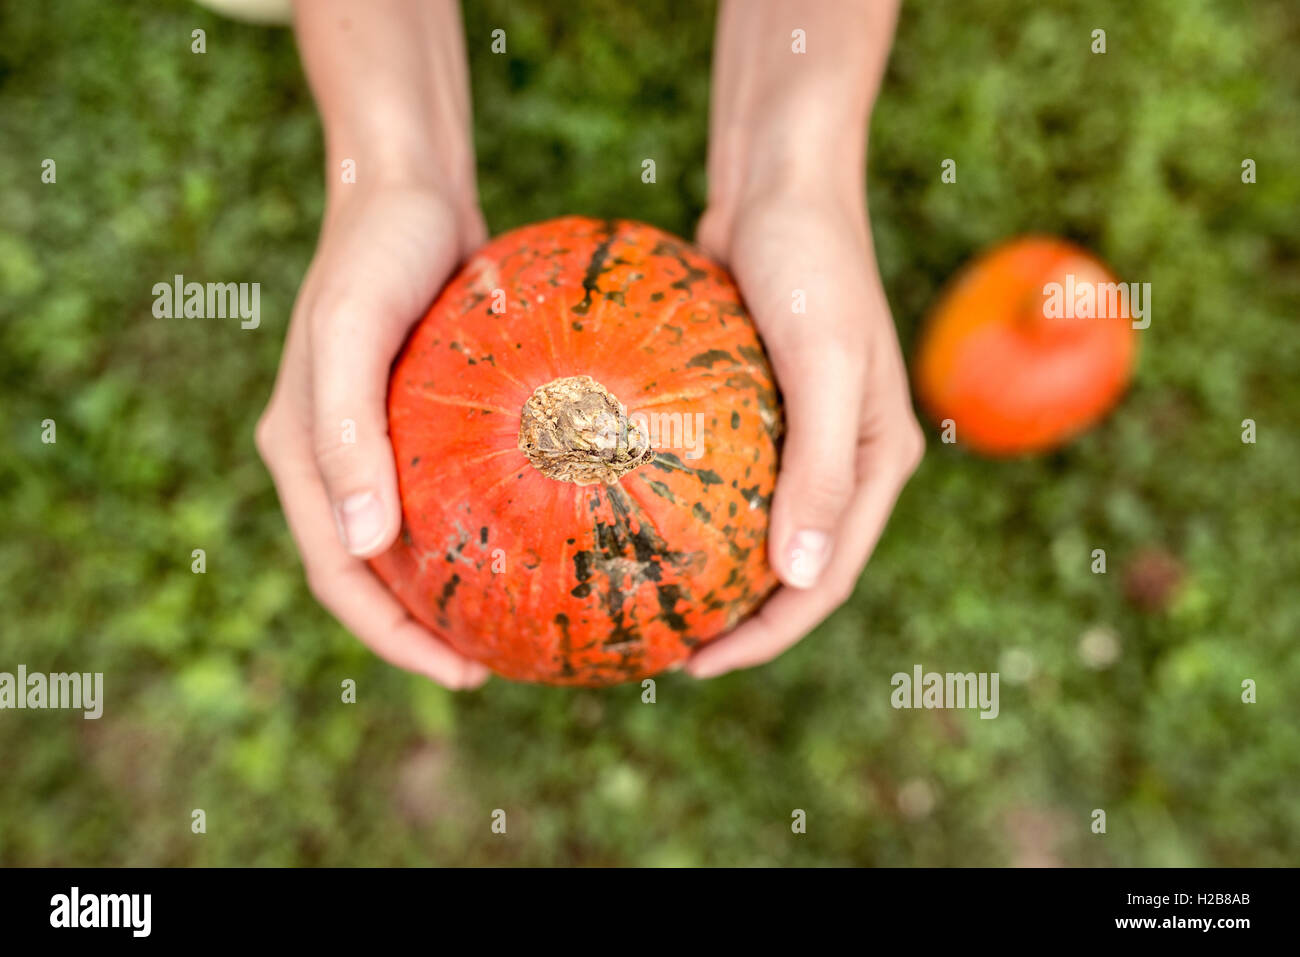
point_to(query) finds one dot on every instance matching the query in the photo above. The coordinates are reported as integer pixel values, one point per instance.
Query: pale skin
(786, 211)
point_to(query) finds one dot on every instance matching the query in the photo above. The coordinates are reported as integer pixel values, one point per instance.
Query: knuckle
(822, 494)
(350, 448)
(332, 310)
(335, 445)
(322, 583)
(328, 446)
(913, 445)
(264, 434)
(841, 588)
(833, 353)
(345, 423)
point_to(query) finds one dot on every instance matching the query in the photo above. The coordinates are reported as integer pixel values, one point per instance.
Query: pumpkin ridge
(509, 352)
(710, 530)
(595, 324)
(551, 353)
(603, 331)
(672, 397)
(488, 456)
(432, 396)
(595, 266)
(467, 340)
(449, 483)
(669, 313)
(642, 508)
(511, 476)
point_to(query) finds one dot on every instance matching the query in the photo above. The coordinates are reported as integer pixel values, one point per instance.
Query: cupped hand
(852, 439)
(384, 253)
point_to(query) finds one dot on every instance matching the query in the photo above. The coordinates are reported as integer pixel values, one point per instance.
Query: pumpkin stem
(574, 430)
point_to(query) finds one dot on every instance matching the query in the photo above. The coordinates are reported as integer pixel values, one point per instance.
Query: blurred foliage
(224, 689)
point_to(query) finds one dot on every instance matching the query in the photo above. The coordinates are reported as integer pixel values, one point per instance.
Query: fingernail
(704, 669)
(361, 522)
(806, 558)
(473, 676)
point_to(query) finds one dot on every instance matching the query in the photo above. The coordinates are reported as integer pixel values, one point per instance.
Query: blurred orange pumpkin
(1020, 365)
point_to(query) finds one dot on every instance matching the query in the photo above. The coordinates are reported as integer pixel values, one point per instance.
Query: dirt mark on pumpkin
(667, 462)
(595, 267)
(630, 554)
(676, 250)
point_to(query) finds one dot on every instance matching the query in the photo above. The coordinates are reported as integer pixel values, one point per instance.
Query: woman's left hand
(852, 440)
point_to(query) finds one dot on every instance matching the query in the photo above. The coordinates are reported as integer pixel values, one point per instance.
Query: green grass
(223, 689)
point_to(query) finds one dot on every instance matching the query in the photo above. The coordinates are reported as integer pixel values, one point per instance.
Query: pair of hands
(386, 249)
(787, 141)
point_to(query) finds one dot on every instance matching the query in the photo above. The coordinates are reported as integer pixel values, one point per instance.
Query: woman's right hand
(382, 258)
(401, 213)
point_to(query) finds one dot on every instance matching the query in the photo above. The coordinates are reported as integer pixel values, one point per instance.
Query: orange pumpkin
(585, 428)
(1014, 361)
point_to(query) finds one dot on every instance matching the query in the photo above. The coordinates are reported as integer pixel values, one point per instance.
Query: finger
(360, 601)
(349, 590)
(473, 230)
(710, 233)
(352, 347)
(817, 479)
(791, 613)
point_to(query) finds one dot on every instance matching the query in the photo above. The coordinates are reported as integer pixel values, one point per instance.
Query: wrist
(394, 137)
(354, 166)
(773, 173)
(796, 162)
(393, 94)
(795, 122)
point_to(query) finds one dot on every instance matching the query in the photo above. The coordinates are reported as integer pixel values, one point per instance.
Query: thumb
(817, 476)
(352, 352)
(711, 233)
